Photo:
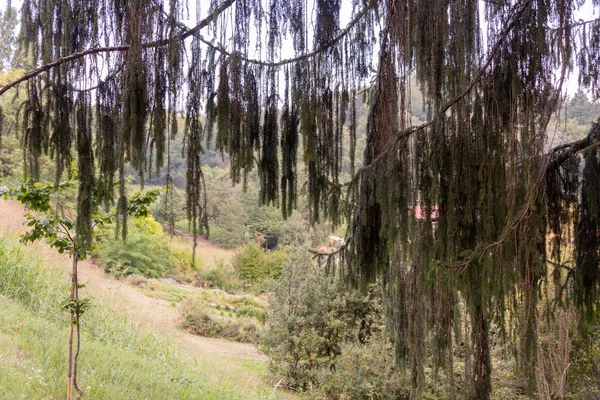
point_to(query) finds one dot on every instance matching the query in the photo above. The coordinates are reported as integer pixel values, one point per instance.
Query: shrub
(365, 372)
(256, 265)
(214, 277)
(248, 301)
(142, 254)
(148, 226)
(253, 312)
(196, 318)
(183, 270)
(310, 319)
(584, 375)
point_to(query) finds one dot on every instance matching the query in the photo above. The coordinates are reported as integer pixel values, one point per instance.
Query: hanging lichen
(451, 215)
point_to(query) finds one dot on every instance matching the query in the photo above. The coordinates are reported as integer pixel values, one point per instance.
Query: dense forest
(438, 138)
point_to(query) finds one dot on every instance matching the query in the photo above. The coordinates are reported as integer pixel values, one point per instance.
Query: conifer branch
(442, 111)
(324, 47)
(563, 152)
(75, 56)
(60, 61)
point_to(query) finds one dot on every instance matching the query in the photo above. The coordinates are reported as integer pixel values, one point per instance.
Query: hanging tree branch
(195, 31)
(406, 133)
(563, 152)
(75, 56)
(60, 61)
(324, 47)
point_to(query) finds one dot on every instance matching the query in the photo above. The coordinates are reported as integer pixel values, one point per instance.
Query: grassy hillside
(118, 361)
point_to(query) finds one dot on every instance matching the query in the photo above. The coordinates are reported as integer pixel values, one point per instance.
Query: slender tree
(453, 214)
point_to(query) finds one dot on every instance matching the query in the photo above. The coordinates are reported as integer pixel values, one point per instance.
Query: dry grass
(207, 253)
(224, 363)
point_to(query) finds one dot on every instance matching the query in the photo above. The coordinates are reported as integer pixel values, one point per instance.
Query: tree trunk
(482, 369)
(74, 327)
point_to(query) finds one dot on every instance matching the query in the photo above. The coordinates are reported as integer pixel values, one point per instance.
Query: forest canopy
(467, 212)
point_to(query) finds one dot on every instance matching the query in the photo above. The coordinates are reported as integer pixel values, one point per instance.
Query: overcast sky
(586, 12)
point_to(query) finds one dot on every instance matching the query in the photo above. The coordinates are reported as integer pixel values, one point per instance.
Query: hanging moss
(86, 175)
(587, 273)
(452, 215)
(195, 186)
(269, 161)
(289, 146)
(1, 125)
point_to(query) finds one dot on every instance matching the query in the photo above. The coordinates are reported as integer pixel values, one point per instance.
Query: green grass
(117, 360)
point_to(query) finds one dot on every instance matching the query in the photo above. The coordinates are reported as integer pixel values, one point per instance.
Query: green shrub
(255, 265)
(148, 226)
(310, 320)
(248, 301)
(143, 253)
(195, 318)
(584, 374)
(183, 270)
(214, 278)
(198, 319)
(365, 372)
(253, 312)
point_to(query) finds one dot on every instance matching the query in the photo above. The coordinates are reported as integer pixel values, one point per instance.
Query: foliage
(32, 327)
(460, 204)
(255, 264)
(148, 226)
(71, 235)
(25, 281)
(142, 253)
(257, 313)
(196, 318)
(581, 109)
(214, 277)
(10, 161)
(184, 269)
(584, 373)
(365, 372)
(310, 320)
(140, 202)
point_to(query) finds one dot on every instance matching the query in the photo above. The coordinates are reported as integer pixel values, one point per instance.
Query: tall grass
(118, 361)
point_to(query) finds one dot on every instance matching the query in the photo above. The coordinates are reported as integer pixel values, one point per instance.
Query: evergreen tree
(452, 214)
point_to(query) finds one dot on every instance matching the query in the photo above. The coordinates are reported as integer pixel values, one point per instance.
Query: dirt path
(220, 357)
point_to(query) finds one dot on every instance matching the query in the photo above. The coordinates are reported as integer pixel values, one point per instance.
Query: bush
(310, 320)
(143, 253)
(253, 312)
(256, 265)
(365, 372)
(584, 375)
(148, 226)
(183, 270)
(196, 318)
(214, 278)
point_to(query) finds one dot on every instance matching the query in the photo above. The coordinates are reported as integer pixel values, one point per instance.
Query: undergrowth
(118, 361)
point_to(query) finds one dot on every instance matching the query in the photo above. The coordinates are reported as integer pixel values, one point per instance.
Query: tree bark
(72, 298)
(482, 368)
(74, 332)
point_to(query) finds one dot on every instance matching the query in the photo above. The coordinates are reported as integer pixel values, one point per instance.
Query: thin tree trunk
(78, 334)
(72, 361)
(482, 369)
